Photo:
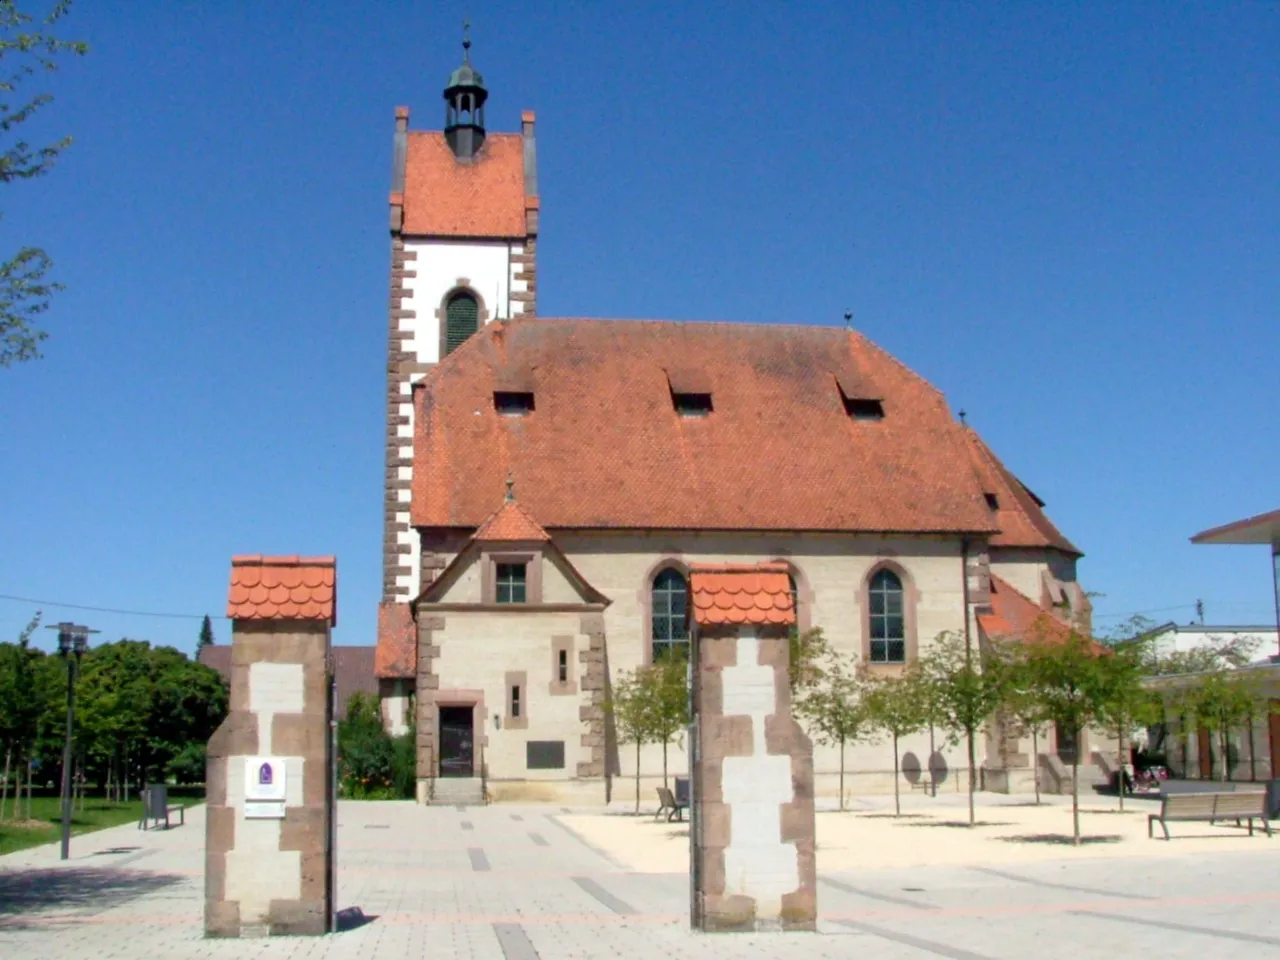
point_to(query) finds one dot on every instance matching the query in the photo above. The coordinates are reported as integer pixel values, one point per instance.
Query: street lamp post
(73, 640)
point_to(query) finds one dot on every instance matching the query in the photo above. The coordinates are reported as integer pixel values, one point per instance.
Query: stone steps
(468, 791)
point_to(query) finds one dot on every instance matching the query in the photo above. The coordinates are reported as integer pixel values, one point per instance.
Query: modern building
(549, 482)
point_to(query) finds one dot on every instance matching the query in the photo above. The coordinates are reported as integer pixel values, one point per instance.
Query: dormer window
(512, 404)
(859, 408)
(992, 501)
(692, 404)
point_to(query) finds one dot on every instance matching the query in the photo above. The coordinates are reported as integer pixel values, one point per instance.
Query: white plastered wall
(489, 269)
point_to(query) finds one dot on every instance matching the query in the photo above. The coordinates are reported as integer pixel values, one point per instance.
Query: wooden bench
(1210, 807)
(668, 804)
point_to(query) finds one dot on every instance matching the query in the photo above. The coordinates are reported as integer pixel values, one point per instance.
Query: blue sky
(1063, 215)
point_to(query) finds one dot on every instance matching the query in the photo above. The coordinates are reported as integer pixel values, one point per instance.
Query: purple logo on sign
(264, 775)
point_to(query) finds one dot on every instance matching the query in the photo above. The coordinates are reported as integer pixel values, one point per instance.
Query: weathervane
(466, 40)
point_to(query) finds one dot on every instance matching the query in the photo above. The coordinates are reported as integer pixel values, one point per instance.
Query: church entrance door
(456, 742)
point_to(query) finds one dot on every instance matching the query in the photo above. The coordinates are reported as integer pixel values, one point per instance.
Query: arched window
(462, 316)
(670, 612)
(888, 621)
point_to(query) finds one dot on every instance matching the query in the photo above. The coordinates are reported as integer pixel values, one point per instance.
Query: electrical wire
(128, 613)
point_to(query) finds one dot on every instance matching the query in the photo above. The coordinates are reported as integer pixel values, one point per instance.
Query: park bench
(1210, 807)
(156, 807)
(669, 804)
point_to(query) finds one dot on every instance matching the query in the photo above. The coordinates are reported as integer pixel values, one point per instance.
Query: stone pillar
(752, 832)
(270, 806)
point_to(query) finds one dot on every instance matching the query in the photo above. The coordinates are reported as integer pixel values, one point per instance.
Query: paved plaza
(516, 882)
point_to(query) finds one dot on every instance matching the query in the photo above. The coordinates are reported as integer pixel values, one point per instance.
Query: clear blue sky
(1066, 216)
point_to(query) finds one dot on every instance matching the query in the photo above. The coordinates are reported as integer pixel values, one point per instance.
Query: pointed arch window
(670, 613)
(888, 618)
(462, 319)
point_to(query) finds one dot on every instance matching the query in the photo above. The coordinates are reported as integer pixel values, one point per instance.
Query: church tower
(464, 227)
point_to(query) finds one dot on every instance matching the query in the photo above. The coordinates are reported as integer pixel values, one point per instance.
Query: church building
(550, 481)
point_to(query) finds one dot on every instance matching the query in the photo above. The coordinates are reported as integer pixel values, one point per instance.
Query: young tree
(206, 635)
(1221, 701)
(834, 707)
(28, 45)
(1026, 711)
(1065, 677)
(895, 704)
(963, 693)
(808, 653)
(19, 703)
(629, 709)
(1127, 703)
(667, 683)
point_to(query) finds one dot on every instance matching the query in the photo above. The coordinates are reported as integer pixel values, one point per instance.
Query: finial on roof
(962, 417)
(848, 319)
(466, 41)
(511, 488)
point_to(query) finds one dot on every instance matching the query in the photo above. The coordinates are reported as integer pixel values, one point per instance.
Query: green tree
(833, 706)
(667, 685)
(808, 652)
(19, 704)
(206, 635)
(1028, 714)
(1220, 701)
(964, 693)
(1069, 682)
(1127, 704)
(367, 755)
(28, 45)
(895, 704)
(628, 707)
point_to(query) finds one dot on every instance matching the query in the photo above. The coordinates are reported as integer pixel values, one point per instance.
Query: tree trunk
(1226, 752)
(664, 764)
(1075, 793)
(1120, 776)
(1035, 761)
(637, 776)
(4, 787)
(1253, 767)
(972, 754)
(897, 802)
(842, 774)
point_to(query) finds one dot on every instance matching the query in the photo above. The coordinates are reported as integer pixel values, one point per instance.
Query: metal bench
(668, 804)
(1210, 807)
(156, 807)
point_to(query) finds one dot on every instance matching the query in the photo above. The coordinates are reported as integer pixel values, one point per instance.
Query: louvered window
(462, 316)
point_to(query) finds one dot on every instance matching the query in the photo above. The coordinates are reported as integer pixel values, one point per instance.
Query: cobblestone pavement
(513, 882)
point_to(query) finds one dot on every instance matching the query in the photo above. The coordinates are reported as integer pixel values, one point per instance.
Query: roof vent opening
(692, 404)
(992, 501)
(859, 408)
(511, 403)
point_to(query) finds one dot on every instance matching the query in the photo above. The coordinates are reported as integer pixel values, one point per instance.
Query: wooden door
(1204, 753)
(1273, 724)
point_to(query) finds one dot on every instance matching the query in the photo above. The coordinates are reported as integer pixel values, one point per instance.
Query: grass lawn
(45, 825)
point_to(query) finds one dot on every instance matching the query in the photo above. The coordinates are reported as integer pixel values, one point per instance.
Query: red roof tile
(1018, 512)
(1015, 616)
(604, 447)
(510, 522)
(741, 593)
(283, 588)
(445, 198)
(397, 642)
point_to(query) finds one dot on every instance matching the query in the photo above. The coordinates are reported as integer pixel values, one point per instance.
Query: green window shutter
(461, 319)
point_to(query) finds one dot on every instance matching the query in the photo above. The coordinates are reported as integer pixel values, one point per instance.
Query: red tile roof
(741, 593)
(445, 198)
(397, 642)
(1015, 616)
(283, 588)
(1018, 513)
(510, 522)
(604, 447)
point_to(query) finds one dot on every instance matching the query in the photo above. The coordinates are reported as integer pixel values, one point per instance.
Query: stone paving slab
(423, 892)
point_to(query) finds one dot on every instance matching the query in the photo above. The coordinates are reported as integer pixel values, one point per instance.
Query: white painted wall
(1201, 636)
(488, 267)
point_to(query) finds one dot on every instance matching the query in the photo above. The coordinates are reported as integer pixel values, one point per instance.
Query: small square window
(510, 583)
(862, 409)
(692, 404)
(512, 404)
(515, 702)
